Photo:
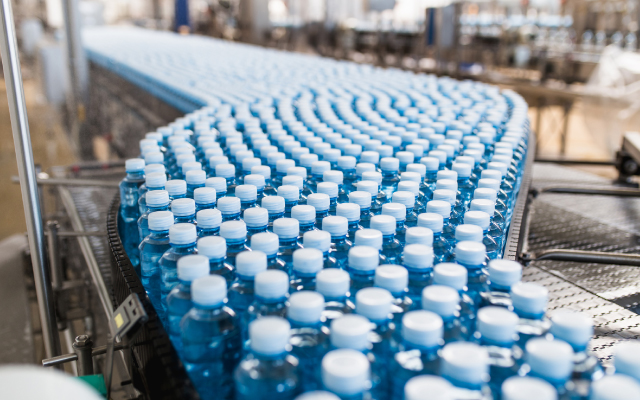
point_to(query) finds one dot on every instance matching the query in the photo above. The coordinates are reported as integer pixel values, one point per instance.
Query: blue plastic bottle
(281, 170)
(347, 165)
(503, 274)
(321, 203)
(530, 303)
(431, 176)
(333, 284)
(271, 293)
(351, 212)
(371, 183)
(208, 222)
(268, 243)
(268, 371)
(391, 247)
(448, 231)
(195, 179)
(205, 198)
(527, 388)
(306, 264)
(471, 255)
(418, 260)
(389, 167)
(444, 301)
(235, 233)
(433, 221)
(215, 249)
(331, 190)
(248, 195)
(177, 189)
(242, 290)
(291, 195)
(157, 200)
(417, 351)
(152, 181)
(375, 304)
(228, 172)
(182, 238)
(219, 184)
(465, 186)
(338, 178)
(129, 211)
(371, 238)
(184, 211)
(151, 250)
(363, 200)
(482, 219)
(211, 339)
(309, 339)
(347, 374)
(338, 227)
(494, 231)
(179, 301)
(297, 177)
(306, 216)
(465, 366)
(407, 200)
(320, 240)
(552, 361)
(257, 220)
(258, 181)
(287, 230)
(317, 171)
(455, 276)
(231, 208)
(362, 264)
(275, 207)
(395, 279)
(265, 171)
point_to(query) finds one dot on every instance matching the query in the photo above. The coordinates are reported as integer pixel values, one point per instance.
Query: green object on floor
(96, 382)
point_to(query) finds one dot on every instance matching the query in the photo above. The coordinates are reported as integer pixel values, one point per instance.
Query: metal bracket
(590, 257)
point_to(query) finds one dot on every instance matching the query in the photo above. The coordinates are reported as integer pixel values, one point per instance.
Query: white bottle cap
(307, 261)
(329, 188)
(350, 211)
(468, 232)
(333, 176)
(350, 332)
(208, 219)
(442, 300)
(466, 160)
(263, 170)
(134, 165)
(225, 170)
(470, 253)
(250, 263)
(247, 192)
(318, 167)
(335, 225)
(478, 218)
(346, 372)
(573, 327)
(363, 167)
(465, 362)
(256, 217)
(484, 205)
(393, 278)
(265, 242)
(213, 247)
(249, 162)
(363, 258)
(294, 180)
(160, 220)
(426, 386)
(283, 165)
(432, 163)
(439, 207)
(273, 204)
(219, 184)
(496, 166)
(304, 213)
(528, 388)
(417, 256)
(627, 358)
(348, 161)
(182, 234)
(255, 180)
(405, 157)
(286, 228)
(331, 155)
(154, 157)
(407, 199)
(450, 274)
(374, 303)
(155, 179)
(372, 157)
(320, 240)
(431, 220)
(420, 169)
(389, 164)
(196, 177)
(447, 174)
(183, 207)
(549, 359)
(289, 192)
(210, 290)
(192, 166)
(319, 201)
(269, 335)
(489, 183)
(462, 169)
(422, 328)
(409, 186)
(305, 307)
(497, 324)
(373, 176)
(396, 210)
(505, 272)
(231, 230)
(204, 195)
(307, 160)
(384, 223)
(192, 266)
(157, 198)
(615, 387)
(369, 237)
(218, 160)
(333, 282)
(419, 235)
(229, 205)
(447, 184)
(362, 199)
(529, 297)
(272, 284)
(367, 186)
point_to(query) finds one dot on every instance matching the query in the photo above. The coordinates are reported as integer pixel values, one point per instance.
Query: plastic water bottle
(321, 202)
(235, 233)
(494, 230)
(309, 338)
(179, 301)
(444, 301)
(248, 195)
(371, 238)
(437, 388)
(465, 366)
(375, 304)
(626, 360)
(389, 167)
(615, 387)
(503, 274)
(363, 200)
(182, 238)
(205, 198)
(471, 255)
(527, 388)
(482, 219)
(338, 227)
(242, 290)
(215, 249)
(152, 181)
(406, 199)
(552, 361)
(330, 189)
(306, 216)
(281, 170)
(268, 243)
(184, 211)
(444, 209)
(219, 184)
(362, 264)
(577, 330)
(417, 351)
(347, 165)
(433, 222)
(430, 179)
(347, 373)
(268, 371)
(465, 186)
(297, 176)
(530, 303)
(496, 332)
(336, 177)
(265, 171)
(257, 220)
(306, 264)
(231, 208)
(208, 222)
(211, 338)
(157, 200)
(317, 172)
(395, 279)
(334, 284)
(455, 276)
(129, 208)
(195, 179)
(418, 260)
(177, 189)
(501, 208)
(320, 240)
(275, 208)
(377, 198)
(228, 172)
(391, 247)
(287, 230)
(258, 181)
(399, 212)
(291, 195)
(271, 293)
(354, 332)
(351, 212)
(151, 250)
(419, 235)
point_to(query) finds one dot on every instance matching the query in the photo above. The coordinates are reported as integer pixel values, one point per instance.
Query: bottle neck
(389, 174)
(159, 234)
(236, 243)
(386, 239)
(184, 247)
(288, 242)
(151, 209)
(135, 175)
(207, 308)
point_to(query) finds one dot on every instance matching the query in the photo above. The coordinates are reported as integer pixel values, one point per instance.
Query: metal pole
(27, 172)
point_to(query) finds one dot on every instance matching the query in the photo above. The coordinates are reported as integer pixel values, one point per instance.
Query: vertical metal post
(28, 184)
(57, 276)
(83, 347)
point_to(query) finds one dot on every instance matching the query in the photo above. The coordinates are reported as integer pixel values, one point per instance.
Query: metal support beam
(28, 183)
(589, 257)
(595, 191)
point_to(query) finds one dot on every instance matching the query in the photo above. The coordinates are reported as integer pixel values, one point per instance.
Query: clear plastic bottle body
(365, 217)
(465, 190)
(185, 219)
(204, 232)
(336, 307)
(359, 280)
(234, 216)
(267, 377)
(151, 250)
(389, 182)
(169, 267)
(354, 226)
(503, 363)
(301, 281)
(220, 267)
(241, 294)
(130, 213)
(419, 278)
(339, 253)
(285, 253)
(476, 281)
(496, 295)
(309, 343)
(531, 326)
(143, 221)
(235, 247)
(410, 362)
(261, 307)
(391, 250)
(178, 305)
